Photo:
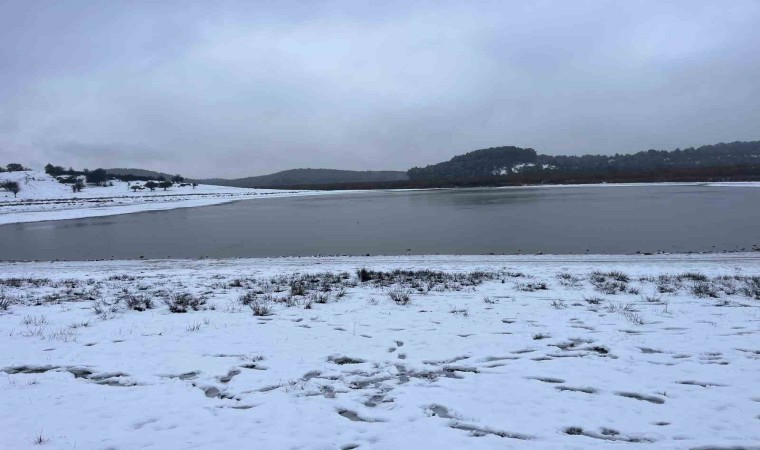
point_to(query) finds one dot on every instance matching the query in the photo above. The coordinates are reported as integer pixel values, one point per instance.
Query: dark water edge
(556, 220)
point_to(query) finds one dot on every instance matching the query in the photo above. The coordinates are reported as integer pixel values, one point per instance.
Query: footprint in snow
(547, 379)
(643, 397)
(355, 417)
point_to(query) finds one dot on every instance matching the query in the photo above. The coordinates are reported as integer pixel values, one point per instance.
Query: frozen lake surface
(558, 220)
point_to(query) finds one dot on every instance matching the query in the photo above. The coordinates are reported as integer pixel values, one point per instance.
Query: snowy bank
(42, 197)
(481, 352)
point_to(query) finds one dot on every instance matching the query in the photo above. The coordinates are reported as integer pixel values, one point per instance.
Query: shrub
(611, 287)
(138, 302)
(704, 289)
(122, 277)
(532, 286)
(5, 302)
(654, 298)
(104, 309)
(39, 439)
(97, 176)
(618, 276)
(569, 280)
(667, 284)
(751, 287)
(184, 302)
(248, 298)
(593, 300)
(318, 298)
(693, 276)
(727, 284)
(634, 317)
(558, 304)
(400, 296)
(297, 288)
(364, 275)
(260, 308)
(609, 283)
(619, 307)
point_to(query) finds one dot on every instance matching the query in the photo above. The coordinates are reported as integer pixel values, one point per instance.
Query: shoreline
(116, 210)
(449, 262)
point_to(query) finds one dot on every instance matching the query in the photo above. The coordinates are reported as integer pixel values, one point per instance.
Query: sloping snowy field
(42, 197)
(541, 352)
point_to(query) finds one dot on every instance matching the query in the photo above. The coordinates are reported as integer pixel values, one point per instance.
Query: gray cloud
(245, 88)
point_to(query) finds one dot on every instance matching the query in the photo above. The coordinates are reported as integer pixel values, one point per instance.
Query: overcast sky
(214, 88)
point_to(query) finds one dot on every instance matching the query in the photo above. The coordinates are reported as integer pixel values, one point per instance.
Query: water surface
(560, 220)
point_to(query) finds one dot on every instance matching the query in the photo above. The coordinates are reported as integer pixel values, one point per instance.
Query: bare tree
(12, 186)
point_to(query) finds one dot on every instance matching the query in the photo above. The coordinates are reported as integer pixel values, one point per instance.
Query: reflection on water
(466, 221)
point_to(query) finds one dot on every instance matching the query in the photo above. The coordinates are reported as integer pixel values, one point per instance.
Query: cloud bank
(246, 88)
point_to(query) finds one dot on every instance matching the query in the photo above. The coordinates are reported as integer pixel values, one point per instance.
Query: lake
(559, 220)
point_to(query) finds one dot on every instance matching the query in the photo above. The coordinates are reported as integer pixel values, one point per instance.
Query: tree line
(510, 162)
(691, 175)
(101, 176)
(13, 167)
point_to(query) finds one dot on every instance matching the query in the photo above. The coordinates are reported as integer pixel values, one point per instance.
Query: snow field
(489, 352)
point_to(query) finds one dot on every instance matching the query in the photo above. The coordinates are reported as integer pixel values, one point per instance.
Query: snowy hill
(42, 197)
(39, 185)
(34, 185)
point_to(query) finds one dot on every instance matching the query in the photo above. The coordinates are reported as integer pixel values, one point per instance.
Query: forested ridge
(511, 161)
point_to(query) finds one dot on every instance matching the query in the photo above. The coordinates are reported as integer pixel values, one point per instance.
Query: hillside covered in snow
(43, 197)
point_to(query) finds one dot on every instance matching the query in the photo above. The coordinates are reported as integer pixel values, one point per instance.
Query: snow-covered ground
(42, 197)
(494, 352)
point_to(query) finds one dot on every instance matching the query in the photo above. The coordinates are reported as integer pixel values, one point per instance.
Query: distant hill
(509, 165)
(478, 163)
(298, 177)
(508, 162)
(139, 173)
